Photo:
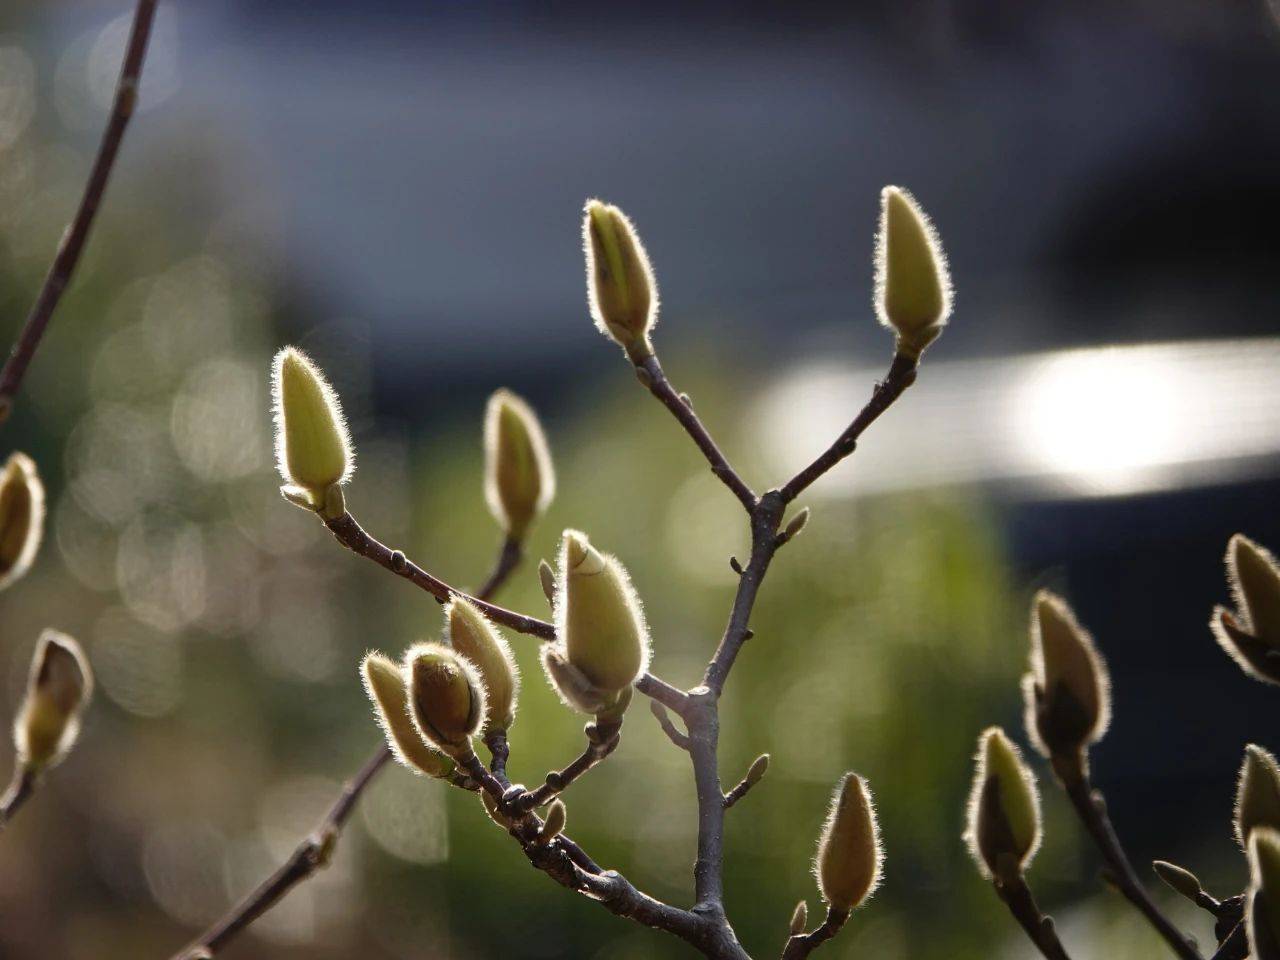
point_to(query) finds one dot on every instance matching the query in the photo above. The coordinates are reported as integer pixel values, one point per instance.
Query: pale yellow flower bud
(620, 285)
(1003, 831)
(21, 517)
(849, 857)
(446, 697)
(58, 689)
(472, 635)
(1257, 794)
(313, 449)
(554, 825)
(799, 919)
(913, 287)
(1262, 915)
(384, 682)
(519, 480)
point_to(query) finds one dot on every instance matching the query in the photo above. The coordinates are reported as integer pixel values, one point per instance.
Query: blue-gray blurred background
(397, 187)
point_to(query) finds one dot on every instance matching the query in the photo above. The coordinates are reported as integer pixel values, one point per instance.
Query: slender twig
(1040, 929)
(18, 792)
(740, 790)
(664, 721)
(73, 239)
(559, 780)
(802, 944)
(509, 557)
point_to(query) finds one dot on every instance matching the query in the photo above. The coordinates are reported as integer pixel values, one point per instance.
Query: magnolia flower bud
(519, 480)
(547, 578)
(494, 811)
(1004, 810)
(755, 773)
(446, 697)
(1251, 635)
(1068, 691)
(1262, 916)
(21, 517)
(1258, 793)
(620, 284)
(799, 919)
(313, 449)
(849, 857)
(473, 636)
(913, 288)
(385, 685)
(1179, 878)
(554, 825)
(58, 689)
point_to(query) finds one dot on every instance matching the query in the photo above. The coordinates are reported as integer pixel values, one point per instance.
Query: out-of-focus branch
(18, 792)
(1039, 928)
(73, 239)
(509, 557)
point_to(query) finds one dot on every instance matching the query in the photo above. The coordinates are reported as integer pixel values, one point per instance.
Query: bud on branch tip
(1003, 831)
(1258, 793)
(21, 517)
(849, 860)
(912, 287)
(470, 633)
(519, 478)
(384, 682)
(58, 689)
(620, 287)
(1251, 635)
(313, 448)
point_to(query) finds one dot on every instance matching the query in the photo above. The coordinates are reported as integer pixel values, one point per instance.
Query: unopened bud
(553, 826)
(384, 683)
(913, 287)
(1251, 634)
(1179, 878)
(469, 632)
(21, 517)
(519, 480)
(1003, 831)
(620, 284)
(446, 697)
(58, 689)
(1068, 691)
(759, 767)
(1262, 916)
(494, 811)
(573, 687)
(796, 525)
(849, 857)
(547, 577)
(1257, 794)
(313, 449)
(799, 919)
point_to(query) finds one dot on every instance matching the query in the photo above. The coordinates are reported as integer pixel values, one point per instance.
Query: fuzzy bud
(519, 480)
(1004, 810)
(1179, 878)
(21, 517)
(799, 919)
(554, 825)
(913, 287)
(1258, 793)
(446, 697)
(620, 284)
(385, 685)
(469, 632)
(849, 857)
(1262, 914)
(796, 524)
(759, 767)
(1251, 634)
(1068, 691)
(58, 689)
(313, 449)
(547, 578)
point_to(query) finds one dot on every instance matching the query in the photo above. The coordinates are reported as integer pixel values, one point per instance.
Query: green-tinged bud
(759, 767)
(1068, 691)
(385, 684)
(446, 697)
(21, 517)
(598, 617)
(1262, 916)
(58, 689)
(1258, 793)
(553, 826)
(313, 449)
(1251, 634)
(1003, 831)
(620, 284)
(799, 919)
(547, 577)
(468, 631)
(913, 287)
(796, 524)
(1179, 878)
(519, 480)
(849, 857)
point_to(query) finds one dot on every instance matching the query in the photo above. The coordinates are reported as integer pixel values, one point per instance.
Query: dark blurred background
(397, 187)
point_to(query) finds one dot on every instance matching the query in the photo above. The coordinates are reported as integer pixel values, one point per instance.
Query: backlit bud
(913, 288)
(58, 689)
(1179, 878)
(759, 767)
(494, 811)
(1258, 793)
(446, 697)
(799, 918)
(598, 616)
(849, 858)
(1003, 831)
(313, 449)
(1251, 634)
(1068, 691)
(554, 825)
(1262, 915)
(519, 480)
(571, 684)
(620, 284)
(21, 517)
(472, 635)
(547, 578)
(384, 683)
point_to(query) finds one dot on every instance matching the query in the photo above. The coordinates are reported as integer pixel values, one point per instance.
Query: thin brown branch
(73, 239)
(660, 714)
(741, 789)
(1039, 928)
(803, 944)
(19, 791)
(559, 780)
(509, 557)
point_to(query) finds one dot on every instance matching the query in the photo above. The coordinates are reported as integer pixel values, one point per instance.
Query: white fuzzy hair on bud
(313, 445)
(519, 480)
(913, 295)
(22, 513)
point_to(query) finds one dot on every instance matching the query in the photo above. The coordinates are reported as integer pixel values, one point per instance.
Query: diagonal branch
(73, 239)
(18, 792)
(558, 780)
(1039, 928)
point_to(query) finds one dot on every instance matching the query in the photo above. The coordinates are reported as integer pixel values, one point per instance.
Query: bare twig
(73, 239)
(669, 728)
(509, 557)
(745, 785)
(1040, 929)
(18, 792)
(802, 944)
(557, 781)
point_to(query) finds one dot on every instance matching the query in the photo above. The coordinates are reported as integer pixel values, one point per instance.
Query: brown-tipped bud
(598, 616)
(313, 449)
(553, 826)
(913, 287)
(1251, 634)
(446, 697)
(620, 285)
(759, 767)
(1262, 916)
(1068, 691)
(58, 689)
(384, 683)
(849, 857)
(1003, 831)
(1257, 794)
(469, 632)
(1179, 878)
(21, 517)
(799, 919)
(519, 480)
(796, 524)
(547, 577)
